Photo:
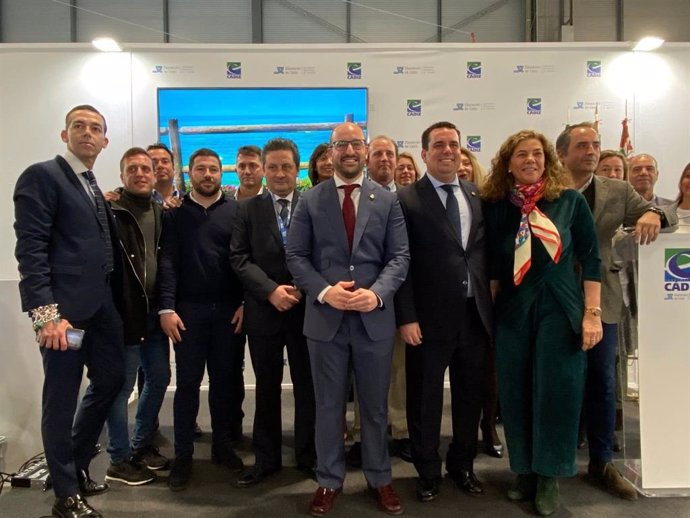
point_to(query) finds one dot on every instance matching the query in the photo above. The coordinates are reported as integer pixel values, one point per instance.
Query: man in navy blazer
(347, 250)
(444, 311)
(65, 243)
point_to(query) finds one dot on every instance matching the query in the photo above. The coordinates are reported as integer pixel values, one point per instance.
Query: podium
(657, 454)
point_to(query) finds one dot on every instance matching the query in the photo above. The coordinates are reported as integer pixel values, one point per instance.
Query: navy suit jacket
(257, 255)
(59, 245)
(318, 255)
(434, 286)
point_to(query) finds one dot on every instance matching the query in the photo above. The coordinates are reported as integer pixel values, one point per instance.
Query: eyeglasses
(342, 145)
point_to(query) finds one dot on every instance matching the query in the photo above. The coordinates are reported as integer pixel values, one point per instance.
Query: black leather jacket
(136, 304)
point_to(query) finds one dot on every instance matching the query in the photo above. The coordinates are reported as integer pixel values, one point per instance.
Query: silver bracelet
(42, 315)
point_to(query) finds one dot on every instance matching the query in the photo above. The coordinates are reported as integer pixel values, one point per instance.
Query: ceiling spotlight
(648, 43)
(106, 45)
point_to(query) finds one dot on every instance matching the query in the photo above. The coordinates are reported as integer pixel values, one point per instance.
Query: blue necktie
(102, 219)
(453, 210)
(283, 210)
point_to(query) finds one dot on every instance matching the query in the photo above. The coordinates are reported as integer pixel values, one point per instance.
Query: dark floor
(287, 493)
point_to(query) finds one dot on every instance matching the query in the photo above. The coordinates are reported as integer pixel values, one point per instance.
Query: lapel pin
(473, 193)
(371, 196)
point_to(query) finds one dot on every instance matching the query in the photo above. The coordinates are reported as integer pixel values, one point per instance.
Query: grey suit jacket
(318, 255)
(616, 203)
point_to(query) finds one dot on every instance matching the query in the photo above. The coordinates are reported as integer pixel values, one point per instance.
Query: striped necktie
(102, 219)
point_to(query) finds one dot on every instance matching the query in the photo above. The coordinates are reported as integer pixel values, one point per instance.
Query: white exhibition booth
(488, 90)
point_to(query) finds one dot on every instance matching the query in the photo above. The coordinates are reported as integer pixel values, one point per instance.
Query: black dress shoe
(494, 450)
(402, 448)
(467, 482)
(88, 486)
(427, 489)
(353, 457)
(253, 475)
(74, 507)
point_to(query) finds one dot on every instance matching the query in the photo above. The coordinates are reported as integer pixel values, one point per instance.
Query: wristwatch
(593, 310)
(658, 212)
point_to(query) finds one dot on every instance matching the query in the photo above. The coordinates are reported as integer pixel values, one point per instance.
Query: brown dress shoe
(323, 500)
(388, 499)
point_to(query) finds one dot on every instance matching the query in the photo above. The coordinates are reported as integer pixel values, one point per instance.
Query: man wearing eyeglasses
(347, 250)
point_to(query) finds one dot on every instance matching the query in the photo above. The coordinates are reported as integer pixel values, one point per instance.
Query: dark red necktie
(349, 212)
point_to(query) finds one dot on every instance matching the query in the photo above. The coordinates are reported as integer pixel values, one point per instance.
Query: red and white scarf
(533, 221)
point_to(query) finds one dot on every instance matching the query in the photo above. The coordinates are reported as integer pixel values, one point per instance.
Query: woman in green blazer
(542, 252)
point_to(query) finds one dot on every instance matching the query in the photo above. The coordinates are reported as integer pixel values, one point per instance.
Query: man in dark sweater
(200, 301)
(138, 219)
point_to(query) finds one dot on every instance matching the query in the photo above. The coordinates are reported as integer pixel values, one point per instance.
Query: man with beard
(200, 299)
(381, 164)
(347, 250)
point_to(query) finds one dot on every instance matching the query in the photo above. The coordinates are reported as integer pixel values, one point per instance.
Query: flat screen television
(224, 119)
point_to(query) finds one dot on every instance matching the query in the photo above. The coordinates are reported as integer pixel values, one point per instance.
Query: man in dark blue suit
(347, 249)
(65, 243)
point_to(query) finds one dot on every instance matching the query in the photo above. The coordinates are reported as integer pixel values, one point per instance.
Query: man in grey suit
(348, 251)
(613, 203)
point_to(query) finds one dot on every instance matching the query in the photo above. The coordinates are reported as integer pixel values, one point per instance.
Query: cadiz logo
(474, 142)
(158, 69)
(519, 69)
(233, 70)
(279, 70)
(677, 269)
(414, 107)
(399, 70)
(474, 69)
(534, 106)
(459, 107)
(354, 71)
(594, 69)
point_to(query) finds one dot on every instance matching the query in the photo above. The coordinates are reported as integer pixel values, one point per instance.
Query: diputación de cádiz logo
(414, 107)
(677, 269)
(474, 69)
(354, 70)
(594, 68)
(534, 106)
(233, 70)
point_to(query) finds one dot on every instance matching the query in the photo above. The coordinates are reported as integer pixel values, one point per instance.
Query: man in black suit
(65, 244)
(273, 313)
(444, 312)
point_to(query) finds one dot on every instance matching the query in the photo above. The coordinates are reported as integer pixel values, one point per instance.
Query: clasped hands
(284, 297)
(342, 296)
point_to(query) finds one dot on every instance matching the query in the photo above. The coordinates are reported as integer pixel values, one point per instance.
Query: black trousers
(267, 360)
(465, 357)
(69, 440)
(207, 343)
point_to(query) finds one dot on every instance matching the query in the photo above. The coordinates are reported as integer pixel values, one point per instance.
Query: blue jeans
(154, 357)
(600, 395)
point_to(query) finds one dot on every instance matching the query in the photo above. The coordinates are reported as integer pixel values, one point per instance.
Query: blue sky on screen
(214, 107)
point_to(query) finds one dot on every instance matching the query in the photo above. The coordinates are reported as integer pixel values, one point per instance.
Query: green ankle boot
(524, 488)
(547, 498)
